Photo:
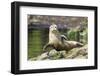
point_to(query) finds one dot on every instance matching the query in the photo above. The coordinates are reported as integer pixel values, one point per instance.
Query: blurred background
(74, 28)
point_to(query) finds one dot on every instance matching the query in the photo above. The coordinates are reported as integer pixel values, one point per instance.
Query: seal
(59, 42)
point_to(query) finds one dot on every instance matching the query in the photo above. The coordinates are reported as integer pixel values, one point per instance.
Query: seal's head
(53, 27)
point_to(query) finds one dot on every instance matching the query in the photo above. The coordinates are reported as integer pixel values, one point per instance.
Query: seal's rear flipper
(79, 44)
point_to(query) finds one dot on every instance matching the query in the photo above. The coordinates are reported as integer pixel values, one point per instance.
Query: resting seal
(59, 42)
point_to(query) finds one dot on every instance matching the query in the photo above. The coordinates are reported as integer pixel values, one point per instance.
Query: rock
(75, 53)
(80, 57)
(53, 52)
(42, 56)
(33, 59)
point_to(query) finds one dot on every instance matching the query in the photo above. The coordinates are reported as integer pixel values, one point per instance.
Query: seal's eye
(55, 26)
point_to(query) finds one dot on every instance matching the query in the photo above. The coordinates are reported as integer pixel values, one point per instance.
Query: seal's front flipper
(47, 48)
(64, 37)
